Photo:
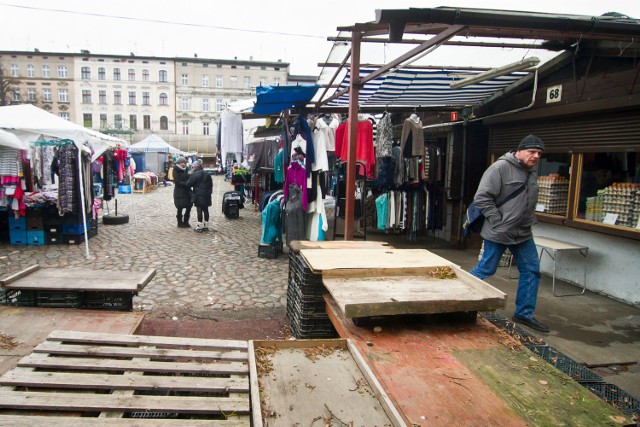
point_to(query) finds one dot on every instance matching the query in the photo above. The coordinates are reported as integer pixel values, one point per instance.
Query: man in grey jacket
(509, 226)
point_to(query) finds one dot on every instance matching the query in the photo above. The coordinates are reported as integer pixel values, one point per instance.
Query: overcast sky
(295, 32)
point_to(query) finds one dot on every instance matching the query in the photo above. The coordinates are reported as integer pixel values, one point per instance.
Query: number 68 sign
(554, 94)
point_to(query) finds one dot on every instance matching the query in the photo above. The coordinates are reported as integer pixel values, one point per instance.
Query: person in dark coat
(202, 184)
(181, 193)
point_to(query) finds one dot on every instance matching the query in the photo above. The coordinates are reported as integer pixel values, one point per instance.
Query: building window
(132, 75)
(102, 73)
(63, 95)
(164, 99)
(276, 81)
(103, 121)
(117, 121)
(87, 120)
(132, 97)
(86, 96)
(185, 128)
(184, 104)
(233, 82)
(62, 72)
(15, 71)
(31, 71)
(145, 75)
(146, 122)
(162, 76)
(102, 97)
(184, 80)
(553, 183)
(205, 128)
(146, 98)
(46, 95)
(117, 97)
(219, 105)
(85, 73)
(164, 123)
(205, 80)
(263, 81)
(205, 104)
(247, 82)
(31, 95)
(64, 116)
(133, 122)
(218, 80)
(116, 74)
(46, 71)
(16, 95)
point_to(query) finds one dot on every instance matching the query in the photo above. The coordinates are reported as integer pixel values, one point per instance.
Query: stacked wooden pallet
(76, 378)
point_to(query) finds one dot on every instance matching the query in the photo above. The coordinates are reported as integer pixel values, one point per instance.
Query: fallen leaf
(543, 382)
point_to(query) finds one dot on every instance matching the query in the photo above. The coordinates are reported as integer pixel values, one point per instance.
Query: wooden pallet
(77, 378)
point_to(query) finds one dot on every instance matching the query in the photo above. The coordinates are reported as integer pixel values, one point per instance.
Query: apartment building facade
(180, 99)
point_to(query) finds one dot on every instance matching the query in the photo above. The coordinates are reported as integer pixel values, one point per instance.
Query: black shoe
(532, 323)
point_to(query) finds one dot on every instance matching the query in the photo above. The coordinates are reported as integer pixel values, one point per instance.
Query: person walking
(181, 192)
(202, 184)
(509, 226)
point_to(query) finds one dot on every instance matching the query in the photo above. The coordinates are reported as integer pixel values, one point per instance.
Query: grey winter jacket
(512, 222)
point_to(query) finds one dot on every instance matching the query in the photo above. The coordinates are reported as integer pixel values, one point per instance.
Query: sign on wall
(554, 94)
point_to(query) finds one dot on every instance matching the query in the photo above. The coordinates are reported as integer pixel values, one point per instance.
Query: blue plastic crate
(75, 228)
(36, 238)
(17, 237)
(17, 224)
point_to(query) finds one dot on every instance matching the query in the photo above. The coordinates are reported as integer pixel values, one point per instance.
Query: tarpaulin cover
(273, 99)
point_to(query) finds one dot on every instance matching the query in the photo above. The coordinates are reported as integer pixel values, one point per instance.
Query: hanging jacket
(294, 215)
(202, 185)
(271, 224)
(181, 193)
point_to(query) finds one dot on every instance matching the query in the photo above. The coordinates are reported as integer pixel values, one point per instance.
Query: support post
(352, 127)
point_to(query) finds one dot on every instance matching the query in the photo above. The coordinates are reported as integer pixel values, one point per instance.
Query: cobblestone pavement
(211, 275)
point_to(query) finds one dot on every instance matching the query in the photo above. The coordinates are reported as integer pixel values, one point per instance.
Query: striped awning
(425, 88)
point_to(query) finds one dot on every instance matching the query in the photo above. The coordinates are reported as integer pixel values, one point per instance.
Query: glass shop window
(609, 189)
(554, 170)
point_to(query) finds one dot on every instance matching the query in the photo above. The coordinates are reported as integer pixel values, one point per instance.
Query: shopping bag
(472, 220)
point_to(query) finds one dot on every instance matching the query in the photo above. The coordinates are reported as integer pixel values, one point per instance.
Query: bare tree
(7, 85)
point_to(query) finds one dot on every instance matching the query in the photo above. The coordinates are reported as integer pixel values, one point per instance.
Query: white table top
(557, 245)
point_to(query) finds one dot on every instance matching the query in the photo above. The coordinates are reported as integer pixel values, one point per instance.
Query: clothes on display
(230, 136)
(365, 152)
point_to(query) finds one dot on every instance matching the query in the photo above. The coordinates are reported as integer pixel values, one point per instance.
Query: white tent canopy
(8, 139)
(153, 144)
(30, 123)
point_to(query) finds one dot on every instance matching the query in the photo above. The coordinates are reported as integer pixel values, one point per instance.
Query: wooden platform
(100, 378)
(326, 382)
(460, 374)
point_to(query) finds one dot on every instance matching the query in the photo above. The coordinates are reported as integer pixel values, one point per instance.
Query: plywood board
(78, 279)
(318, 381)
(423, 294)
(297, 245)
(372, 262)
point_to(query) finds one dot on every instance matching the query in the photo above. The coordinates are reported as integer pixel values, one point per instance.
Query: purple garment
(296, 174)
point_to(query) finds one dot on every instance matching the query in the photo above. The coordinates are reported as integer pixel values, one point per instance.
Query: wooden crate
(306, 382)
(76, 378)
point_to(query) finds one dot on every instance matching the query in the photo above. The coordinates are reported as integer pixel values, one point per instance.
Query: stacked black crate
(305, 304)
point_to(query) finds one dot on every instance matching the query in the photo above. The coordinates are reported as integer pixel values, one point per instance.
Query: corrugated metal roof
(427, 88)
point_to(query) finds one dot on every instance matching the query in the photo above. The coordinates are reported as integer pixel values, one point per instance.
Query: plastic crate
(116, 301)
(75, 228)
(18, 237)
(59, 299)
(313, 327)
(268, 251)
(53, 238)
(72, 239)
(53, 229)
(19, 298)
(565, 364)
(34, 221)
(617, 397)
(36, 238)
(19, 223)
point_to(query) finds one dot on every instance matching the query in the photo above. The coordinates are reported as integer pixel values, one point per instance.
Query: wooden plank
(256, 407)
(80, 402)
(107, 351)
(148, 340)
(30, 421)
(375, 261)
(27, 271)
(36, 360)
(79, 279)
(317, 380)
(119, 382)
(297, 245)
(394, 295)
(146, 279)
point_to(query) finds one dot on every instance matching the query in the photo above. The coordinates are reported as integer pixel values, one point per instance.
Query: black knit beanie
(531, 142)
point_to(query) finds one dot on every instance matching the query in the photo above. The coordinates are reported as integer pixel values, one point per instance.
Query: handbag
(473, 218)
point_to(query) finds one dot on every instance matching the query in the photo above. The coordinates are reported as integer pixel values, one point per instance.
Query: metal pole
(354, 93)
(82, 202)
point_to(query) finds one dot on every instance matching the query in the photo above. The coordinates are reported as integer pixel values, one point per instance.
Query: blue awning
(273, 99)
